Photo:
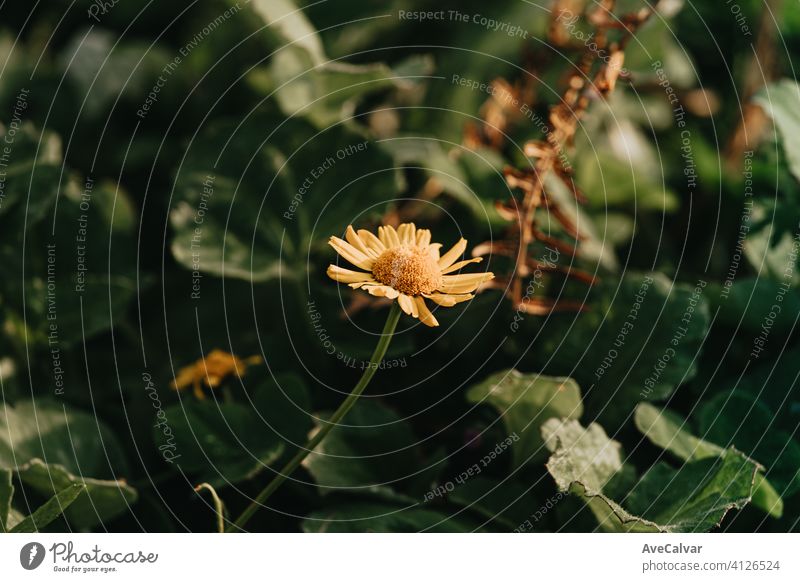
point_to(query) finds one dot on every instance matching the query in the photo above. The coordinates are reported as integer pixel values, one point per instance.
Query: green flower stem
(344, 408)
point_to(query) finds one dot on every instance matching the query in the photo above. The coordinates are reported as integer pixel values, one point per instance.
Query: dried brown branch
(595, 74)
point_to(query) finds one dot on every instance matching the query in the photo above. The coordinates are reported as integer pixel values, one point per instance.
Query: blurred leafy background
(125, 126)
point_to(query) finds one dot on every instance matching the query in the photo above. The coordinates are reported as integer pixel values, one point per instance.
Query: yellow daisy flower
(403, 264)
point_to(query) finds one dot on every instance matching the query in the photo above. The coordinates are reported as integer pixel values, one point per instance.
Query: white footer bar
(398, 557)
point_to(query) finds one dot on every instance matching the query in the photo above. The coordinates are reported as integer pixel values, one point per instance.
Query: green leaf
(105, 71)
(381, 517)
(72, 289)
(58, 434)
(283, 404)
(749, 302)
(781, 101)
(503, 504)
(372, 446)
(617, 163)
(584, 455)
(525, 402)
(218, 248)
(221, 443)
(324, 94)
(741, 420)
(303, 80)
(695, 497)
(31, 181)
(770, 245)
(610, 515)
(104, 499)
(54, 507)
(665, 429)
(660, 44)
(285, 20)
(6, 494)
(459, 177)
(638, 341)
(766, 497)
(245, 210)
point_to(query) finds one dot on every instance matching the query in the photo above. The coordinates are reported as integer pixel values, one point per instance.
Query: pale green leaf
(525, 402)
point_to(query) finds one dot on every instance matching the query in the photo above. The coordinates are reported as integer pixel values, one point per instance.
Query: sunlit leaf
(525, 402)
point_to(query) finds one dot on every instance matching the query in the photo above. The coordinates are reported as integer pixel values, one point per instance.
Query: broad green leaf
(61, 435)
(766, 497)
(459, 176)
(659, 44)
(71, 283)
(306, 83)
(770, 246)
(104, 499)
(372, 446)
(584, 455)
(207, 244)
(525, 402)
(448, 106)
(617, 164)
(221, 443)
(503, 505)
(14, 517)
(610, 515)
(6, 494)
(31, 179)
(104, 71)
(775, 385)
(383, 518)
(781, 101)
(668, 430)
(245, 210)
(286, 20)
(284, 406)
(748, 302)
(54, 507)
(695, 497)
(638, 341)
(741, 420)
(324, 94)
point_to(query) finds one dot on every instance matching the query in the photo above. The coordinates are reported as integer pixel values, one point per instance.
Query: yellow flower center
(410, 270)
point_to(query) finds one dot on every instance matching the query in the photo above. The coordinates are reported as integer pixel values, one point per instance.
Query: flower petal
(423, 237)
(342, 275)
(381, 291)
(460, 264)
(388, 236)
(184, 378)
(353, 238)
(448, 300)
(414, 307)
(406, 303)
(450, 256)
(407, 233)
(463, 283)
(425, 315)
(351, 254)
(434, 251)
(371, 241)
